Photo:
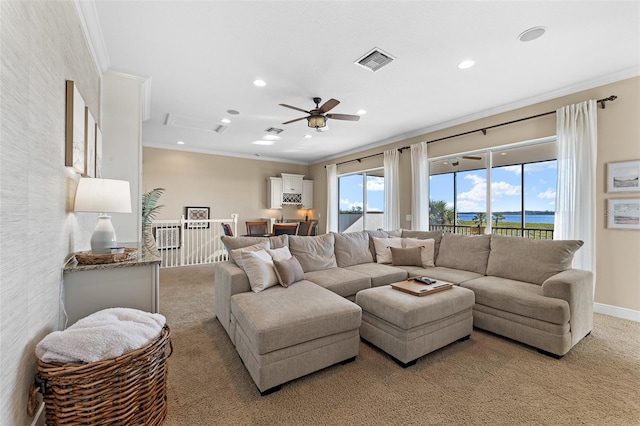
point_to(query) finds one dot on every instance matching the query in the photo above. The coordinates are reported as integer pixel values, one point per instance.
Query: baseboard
(616, 311)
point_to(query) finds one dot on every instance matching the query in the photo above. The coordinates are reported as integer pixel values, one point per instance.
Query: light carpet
(486, 380)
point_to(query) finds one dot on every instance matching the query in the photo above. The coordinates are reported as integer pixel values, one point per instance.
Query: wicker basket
(88, 258)
(126, 390)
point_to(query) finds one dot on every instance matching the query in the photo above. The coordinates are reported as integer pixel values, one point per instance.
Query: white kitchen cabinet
(291, 184)
(307, 194)
(274, 193)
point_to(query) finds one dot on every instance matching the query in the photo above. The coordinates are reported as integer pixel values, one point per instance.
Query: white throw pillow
(236, 254)
(426, 253)
(281, 253)
(258, 266)
(383, 248)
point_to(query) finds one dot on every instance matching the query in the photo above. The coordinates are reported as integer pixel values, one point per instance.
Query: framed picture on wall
(623, 176)
(197, 214)
(75, 129)
(89, 144)
(167, 237)
(624, 214)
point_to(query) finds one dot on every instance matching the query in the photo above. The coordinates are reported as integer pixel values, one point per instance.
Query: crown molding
(92, 30)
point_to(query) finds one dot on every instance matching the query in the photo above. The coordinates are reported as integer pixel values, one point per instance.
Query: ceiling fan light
(316, 121)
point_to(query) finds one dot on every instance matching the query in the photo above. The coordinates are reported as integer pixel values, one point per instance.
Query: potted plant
(149, 211)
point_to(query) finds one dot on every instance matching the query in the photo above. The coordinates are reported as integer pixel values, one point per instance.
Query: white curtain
(420, 182)
(391, 189)
(332, 198)
(575, 218)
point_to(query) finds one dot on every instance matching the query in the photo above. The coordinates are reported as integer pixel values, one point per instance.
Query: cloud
(515, 169)
(348, 205)
(549, 193)
(375, 183)
(478, 193)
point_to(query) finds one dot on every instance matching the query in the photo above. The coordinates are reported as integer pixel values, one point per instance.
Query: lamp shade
(103, 196)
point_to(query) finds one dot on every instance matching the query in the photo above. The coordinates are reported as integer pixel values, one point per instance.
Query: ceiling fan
(456, 161)
(318, 116)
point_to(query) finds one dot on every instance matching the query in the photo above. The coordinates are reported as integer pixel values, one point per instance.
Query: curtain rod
(482, 129)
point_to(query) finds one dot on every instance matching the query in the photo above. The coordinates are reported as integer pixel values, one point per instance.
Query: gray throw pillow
(425, 235)
(313, 253)
(352, 248)
(528, 260)
(406, 256)
(288, 271)
(469, 253)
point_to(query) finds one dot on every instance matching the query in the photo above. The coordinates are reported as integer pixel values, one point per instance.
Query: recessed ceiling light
(467, 63)
(361, 112)
(232, 112)
(271, 137)
(180, 143)
(226, 120)
(503, 153)
(259, 83)
(532, 34)
(261, 142)
(445, 163)
(307, 136)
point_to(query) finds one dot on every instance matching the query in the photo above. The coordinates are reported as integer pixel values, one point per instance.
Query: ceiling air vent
(274, 130)
(194, 123)
(374, 60)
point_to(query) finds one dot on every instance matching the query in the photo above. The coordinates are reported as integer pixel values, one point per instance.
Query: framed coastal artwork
(89, 144)
(623, 176)
(75, 129)
(167, 237)
(623, 213)
(195, 214)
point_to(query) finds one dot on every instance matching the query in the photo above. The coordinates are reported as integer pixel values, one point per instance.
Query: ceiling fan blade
(296, 108)
(328, 106)
(471, 157)
(347, 117)
(293, 121)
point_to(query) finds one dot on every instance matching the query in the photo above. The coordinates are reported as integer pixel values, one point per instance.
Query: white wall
(42, 47)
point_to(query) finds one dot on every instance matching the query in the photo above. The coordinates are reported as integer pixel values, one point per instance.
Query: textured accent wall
(42, 46)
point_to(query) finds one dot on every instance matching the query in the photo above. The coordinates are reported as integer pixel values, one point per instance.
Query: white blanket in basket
(105, 334)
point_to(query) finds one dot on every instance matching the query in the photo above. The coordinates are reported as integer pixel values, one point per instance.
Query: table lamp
(103, 196)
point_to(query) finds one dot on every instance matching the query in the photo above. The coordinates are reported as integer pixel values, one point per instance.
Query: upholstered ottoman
(285, 333)
(407, 326)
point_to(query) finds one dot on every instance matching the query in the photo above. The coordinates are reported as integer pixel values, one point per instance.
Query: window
(361, 201)
(522, 190)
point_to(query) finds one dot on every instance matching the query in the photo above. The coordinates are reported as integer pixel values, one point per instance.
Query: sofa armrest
(229, 279)
(576, 287)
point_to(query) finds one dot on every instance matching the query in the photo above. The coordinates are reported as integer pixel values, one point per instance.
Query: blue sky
(539, 189)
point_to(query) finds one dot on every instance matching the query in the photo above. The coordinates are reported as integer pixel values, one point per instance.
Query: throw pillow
(383, 245)
(234, 243)
(427, 252)
(425, 235)
(236, 254)
(259, 269)
(528, 260)
(281, 253)
(313, 253)
(406, 256)
(288, 271)
(352, 248)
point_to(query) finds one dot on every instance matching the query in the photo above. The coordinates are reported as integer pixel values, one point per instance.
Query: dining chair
(305, 228)
(285, 228)
(257, 228)
(227, 229)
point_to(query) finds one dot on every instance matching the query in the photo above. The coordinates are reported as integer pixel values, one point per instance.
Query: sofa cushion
(529, 260)
(235, 255)
(425, 235)
(233, 243)
(454, 276)
(406, 256)
(282, 317)
(340, 281)
(288, 271)
(427, 252)
(314, 253)
(380, 274)
(469, 253)
(258, 266)
(519, 298)
(383, 248)
(352, 248)
(377, 234)
(281, 253)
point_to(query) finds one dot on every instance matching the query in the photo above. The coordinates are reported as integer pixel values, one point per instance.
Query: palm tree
(438, 213)
(149, 210)
(479, 218)
(497, 217)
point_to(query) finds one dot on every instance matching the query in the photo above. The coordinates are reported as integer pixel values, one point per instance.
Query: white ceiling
(202, 58)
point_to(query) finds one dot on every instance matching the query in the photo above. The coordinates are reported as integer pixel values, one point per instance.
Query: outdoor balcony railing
(535, 233)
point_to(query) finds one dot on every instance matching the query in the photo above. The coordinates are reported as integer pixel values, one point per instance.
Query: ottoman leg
(270, 391)
(347, 361)
(462, 339)
(404, 364)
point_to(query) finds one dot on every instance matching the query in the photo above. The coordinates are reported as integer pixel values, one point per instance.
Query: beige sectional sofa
(524, 289)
